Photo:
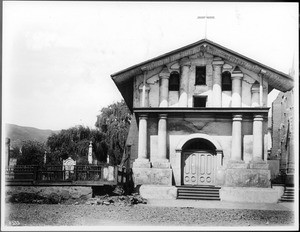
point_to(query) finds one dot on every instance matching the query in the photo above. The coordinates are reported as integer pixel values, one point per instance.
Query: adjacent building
(201, 119)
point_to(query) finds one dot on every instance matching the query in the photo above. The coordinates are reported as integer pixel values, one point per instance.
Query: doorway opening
(198, 162)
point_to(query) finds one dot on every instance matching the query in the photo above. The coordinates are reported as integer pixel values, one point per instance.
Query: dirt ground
(80, 214)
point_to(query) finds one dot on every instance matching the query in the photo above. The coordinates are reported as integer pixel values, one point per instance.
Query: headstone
(45, 158)
(90, 157)
(68, 167)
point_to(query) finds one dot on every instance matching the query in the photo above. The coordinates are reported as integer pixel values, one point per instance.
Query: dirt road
(20, 214)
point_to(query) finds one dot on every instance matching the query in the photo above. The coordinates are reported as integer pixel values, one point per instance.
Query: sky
(58, 56)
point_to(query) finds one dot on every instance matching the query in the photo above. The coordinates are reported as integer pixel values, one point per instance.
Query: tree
(114, 121)
(32, 153)
(74, 142)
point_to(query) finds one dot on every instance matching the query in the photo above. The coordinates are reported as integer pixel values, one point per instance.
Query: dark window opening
(226, 81)
(174, 81)
(200, 101)
(200, 75)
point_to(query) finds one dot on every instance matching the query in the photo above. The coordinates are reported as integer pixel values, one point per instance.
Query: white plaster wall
(246, 90)
(173, 98)
(226, 99)
(248, 148)
(153, 147)
(265, 93)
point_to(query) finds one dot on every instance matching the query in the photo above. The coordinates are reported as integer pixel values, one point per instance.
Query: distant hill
(17, 134)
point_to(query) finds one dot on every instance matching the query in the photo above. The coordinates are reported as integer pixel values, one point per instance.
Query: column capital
(258, 117)
(255, 88)
(237, 117)
(237, 73)
(237, 76)
(143, 116)
(147, 88)
(217, 61)
(163, 116)
(164, 73)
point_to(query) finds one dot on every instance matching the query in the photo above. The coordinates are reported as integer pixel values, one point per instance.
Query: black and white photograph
(150, 116)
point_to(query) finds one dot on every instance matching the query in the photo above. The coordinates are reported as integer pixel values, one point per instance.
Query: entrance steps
(205, 192)
(288, 196)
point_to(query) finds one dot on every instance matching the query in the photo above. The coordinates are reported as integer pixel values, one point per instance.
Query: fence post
(36, 173)
(75, 172)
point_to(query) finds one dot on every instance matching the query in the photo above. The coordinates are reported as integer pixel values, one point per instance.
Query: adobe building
(282, 153)
(201, 119)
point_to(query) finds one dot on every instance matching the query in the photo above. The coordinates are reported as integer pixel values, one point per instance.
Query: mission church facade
(200, 119)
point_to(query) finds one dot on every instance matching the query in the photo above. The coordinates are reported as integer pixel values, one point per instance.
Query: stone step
(289, 191)
(289, 194)
(199, 198)
(199, 190)
(286, 200)
(197, 194)
(287, 197)
(198, 187)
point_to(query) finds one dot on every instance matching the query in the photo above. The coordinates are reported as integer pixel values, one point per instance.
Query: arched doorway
(199, 162)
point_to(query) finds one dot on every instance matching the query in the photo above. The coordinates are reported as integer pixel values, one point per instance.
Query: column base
(247, 178)
(152, 176)
(162, 163)
(141, 163)
(258, 165)
(237, 164)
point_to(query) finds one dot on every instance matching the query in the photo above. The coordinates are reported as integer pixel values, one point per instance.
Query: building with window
(201, 119)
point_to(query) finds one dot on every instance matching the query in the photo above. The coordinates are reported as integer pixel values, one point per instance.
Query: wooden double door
(199, 168)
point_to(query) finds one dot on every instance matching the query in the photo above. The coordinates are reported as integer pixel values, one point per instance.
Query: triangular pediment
(276, 79)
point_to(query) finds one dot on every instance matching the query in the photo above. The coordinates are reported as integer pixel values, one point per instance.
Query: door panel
(198, 168)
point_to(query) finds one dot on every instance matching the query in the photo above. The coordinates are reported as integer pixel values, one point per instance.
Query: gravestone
(90, 153)
(68, 167)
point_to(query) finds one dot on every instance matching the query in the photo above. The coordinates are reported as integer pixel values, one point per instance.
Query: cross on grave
(205, 17)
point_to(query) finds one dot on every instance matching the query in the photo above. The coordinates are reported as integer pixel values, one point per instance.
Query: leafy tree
(114, 121)
(74, 142)
(32, 153)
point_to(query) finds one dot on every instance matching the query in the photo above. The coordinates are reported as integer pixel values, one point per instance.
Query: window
(174, 81)
(200, 75)
(200, 101)
(226, 81)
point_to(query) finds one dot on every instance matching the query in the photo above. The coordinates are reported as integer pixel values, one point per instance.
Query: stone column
(162, 161)
(255, 95)
(164, 88)
(142, 160)
(236, 145)
(144, 95)
(236, 95)
(258, 138)
(184, 82)
(217, 82)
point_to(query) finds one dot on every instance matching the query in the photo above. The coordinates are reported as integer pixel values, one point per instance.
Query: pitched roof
(276, 79)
